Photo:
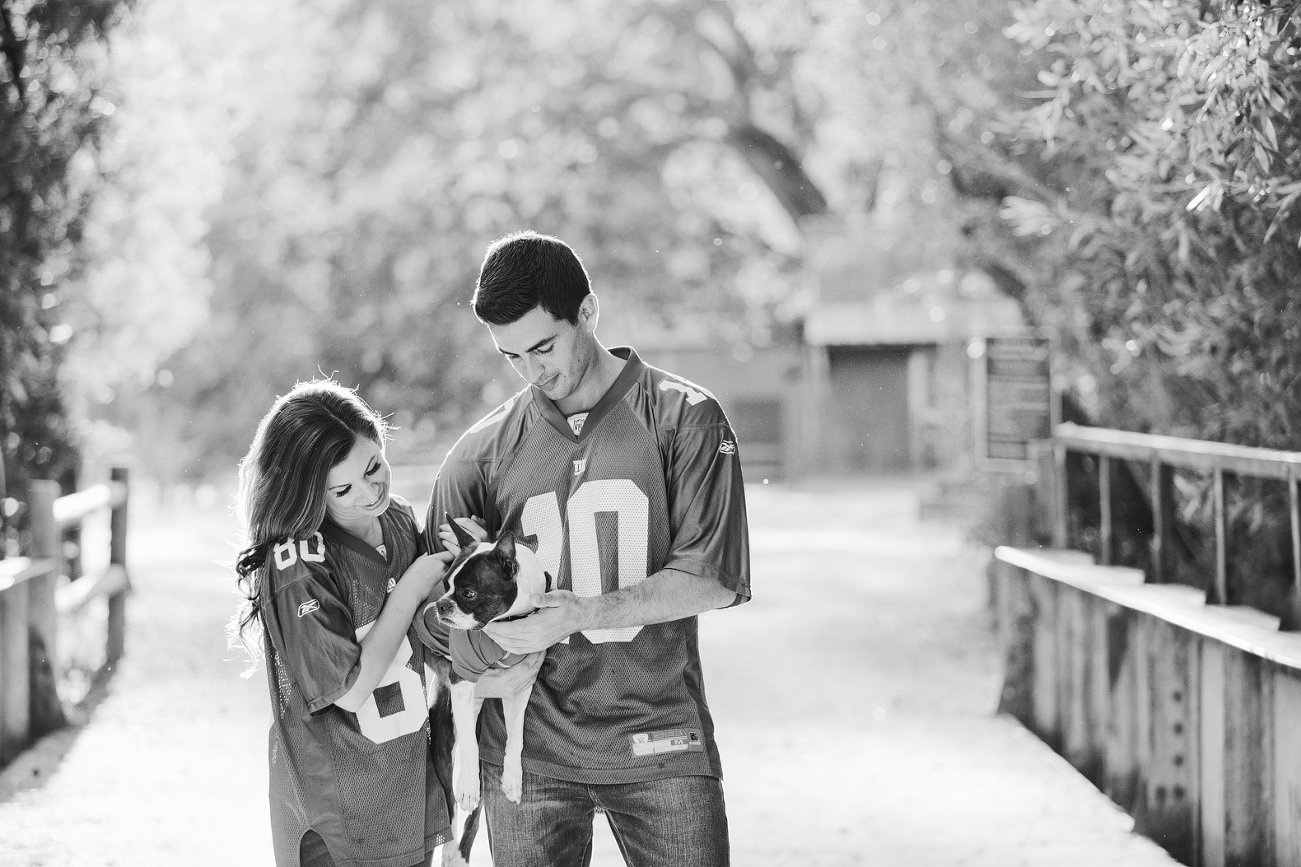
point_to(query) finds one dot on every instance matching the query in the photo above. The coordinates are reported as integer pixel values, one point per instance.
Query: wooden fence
(1182, 709)
(32, 600)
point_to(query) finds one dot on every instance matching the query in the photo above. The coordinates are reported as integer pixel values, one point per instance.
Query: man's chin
(557, 392)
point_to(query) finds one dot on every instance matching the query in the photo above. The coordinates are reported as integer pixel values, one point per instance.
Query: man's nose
(527, 369)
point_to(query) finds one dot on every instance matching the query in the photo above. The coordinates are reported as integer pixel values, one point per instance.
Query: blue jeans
(676, 822)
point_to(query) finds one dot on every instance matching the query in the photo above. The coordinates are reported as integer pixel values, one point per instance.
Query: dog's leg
(465, 716)
(512, 771)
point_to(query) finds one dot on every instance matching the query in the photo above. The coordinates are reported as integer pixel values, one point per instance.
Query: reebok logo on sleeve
(308, 607)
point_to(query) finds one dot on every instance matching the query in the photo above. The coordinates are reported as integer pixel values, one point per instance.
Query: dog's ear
(463, 537)
(505, 545)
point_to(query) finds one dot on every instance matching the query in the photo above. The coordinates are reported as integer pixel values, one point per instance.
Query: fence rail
(32, 600)
(1164, 454)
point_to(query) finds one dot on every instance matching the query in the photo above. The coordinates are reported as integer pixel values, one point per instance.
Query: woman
(332, 578)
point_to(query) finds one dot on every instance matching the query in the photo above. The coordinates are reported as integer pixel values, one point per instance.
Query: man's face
(547, 352)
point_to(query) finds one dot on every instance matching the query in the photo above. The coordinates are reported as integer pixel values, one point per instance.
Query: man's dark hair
(527, 270)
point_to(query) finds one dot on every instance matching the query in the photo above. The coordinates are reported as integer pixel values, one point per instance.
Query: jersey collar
(335, 533)
(632, 369)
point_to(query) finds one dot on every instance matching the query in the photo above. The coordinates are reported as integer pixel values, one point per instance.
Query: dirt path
(853, 697)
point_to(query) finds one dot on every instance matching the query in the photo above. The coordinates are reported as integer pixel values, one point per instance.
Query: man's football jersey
(651, 481)
(365, 782)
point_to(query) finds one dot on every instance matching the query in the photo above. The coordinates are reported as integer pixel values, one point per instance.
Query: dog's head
(481, 583)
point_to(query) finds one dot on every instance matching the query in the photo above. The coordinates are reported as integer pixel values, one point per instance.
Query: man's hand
(560, 614)
(501, 682)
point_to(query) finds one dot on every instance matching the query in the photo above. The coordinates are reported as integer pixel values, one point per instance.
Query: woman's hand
(473, 526)
(424, 572)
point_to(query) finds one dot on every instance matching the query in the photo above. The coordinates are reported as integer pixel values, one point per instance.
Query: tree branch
(14, 50)
(780, 170)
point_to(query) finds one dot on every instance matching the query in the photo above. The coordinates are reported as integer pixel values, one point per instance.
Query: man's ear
(589, 312)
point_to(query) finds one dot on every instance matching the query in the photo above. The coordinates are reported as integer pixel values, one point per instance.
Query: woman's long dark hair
(282, 479)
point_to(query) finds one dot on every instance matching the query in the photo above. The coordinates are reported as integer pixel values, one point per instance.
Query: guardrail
(1176, 702)
(31, 600)
(1164, 454)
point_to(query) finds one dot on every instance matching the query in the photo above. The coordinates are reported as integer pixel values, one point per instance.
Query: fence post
(45, 710)
(1061, 498)
(1291, 620)
(46, 545)
(1163, 522)
(117, 557)
(1106, 529)
(1217, 593)
(15, 701)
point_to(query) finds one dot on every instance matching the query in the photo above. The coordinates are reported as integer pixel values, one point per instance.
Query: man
(630, 479)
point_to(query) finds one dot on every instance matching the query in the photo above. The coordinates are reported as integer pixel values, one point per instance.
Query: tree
(685, 148)
(1170, 243)
(52, 115)
(1167, 238)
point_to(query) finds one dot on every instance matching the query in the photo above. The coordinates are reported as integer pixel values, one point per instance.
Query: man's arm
(666, 595)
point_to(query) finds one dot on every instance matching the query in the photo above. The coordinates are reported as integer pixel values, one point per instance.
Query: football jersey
(651, 481)
(365, 782)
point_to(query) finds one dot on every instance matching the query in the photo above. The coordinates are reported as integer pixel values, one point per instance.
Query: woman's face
(357, 488)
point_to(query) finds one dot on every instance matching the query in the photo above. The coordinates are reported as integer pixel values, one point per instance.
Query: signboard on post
(1014, 402)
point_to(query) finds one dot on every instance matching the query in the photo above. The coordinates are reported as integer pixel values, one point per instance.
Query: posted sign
(1016, 399)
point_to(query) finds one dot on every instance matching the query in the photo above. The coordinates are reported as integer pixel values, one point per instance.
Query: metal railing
(31, 600)
(1165, 454)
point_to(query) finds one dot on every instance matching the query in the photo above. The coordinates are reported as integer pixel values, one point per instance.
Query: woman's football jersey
(651, 481)
(365, 781)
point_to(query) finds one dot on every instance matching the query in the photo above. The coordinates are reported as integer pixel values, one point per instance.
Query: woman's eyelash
(342, 492)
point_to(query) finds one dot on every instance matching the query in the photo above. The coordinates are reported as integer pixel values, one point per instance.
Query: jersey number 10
(620, 496)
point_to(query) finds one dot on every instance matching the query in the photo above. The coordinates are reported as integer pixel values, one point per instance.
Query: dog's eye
(467, 593)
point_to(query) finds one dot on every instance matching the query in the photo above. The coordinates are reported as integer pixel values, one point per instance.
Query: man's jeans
(676, 822)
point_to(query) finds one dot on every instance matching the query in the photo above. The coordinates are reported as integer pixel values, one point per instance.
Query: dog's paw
(451, 855)
(466, 788)
(512, 780)
(467, 798)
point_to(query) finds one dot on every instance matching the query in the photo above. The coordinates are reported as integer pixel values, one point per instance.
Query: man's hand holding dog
(666, 595)
(559, 615)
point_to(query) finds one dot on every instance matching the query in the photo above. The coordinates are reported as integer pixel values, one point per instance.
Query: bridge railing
(32, 600)
(1178, 704)
(1165, 454)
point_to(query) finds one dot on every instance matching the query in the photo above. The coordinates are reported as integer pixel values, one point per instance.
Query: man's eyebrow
(537, 345)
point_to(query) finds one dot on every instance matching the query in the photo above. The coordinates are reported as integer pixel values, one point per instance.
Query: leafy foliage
(1171, 243)
(52, 112)
(682, 146)
(1168, 250)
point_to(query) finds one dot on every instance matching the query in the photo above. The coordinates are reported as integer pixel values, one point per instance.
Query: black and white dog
(487, 581)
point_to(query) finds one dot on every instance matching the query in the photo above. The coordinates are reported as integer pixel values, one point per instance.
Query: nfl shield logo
(579, 466)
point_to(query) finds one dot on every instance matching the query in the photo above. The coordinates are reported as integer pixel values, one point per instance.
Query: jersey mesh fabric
(374, 804)
(602, 506)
